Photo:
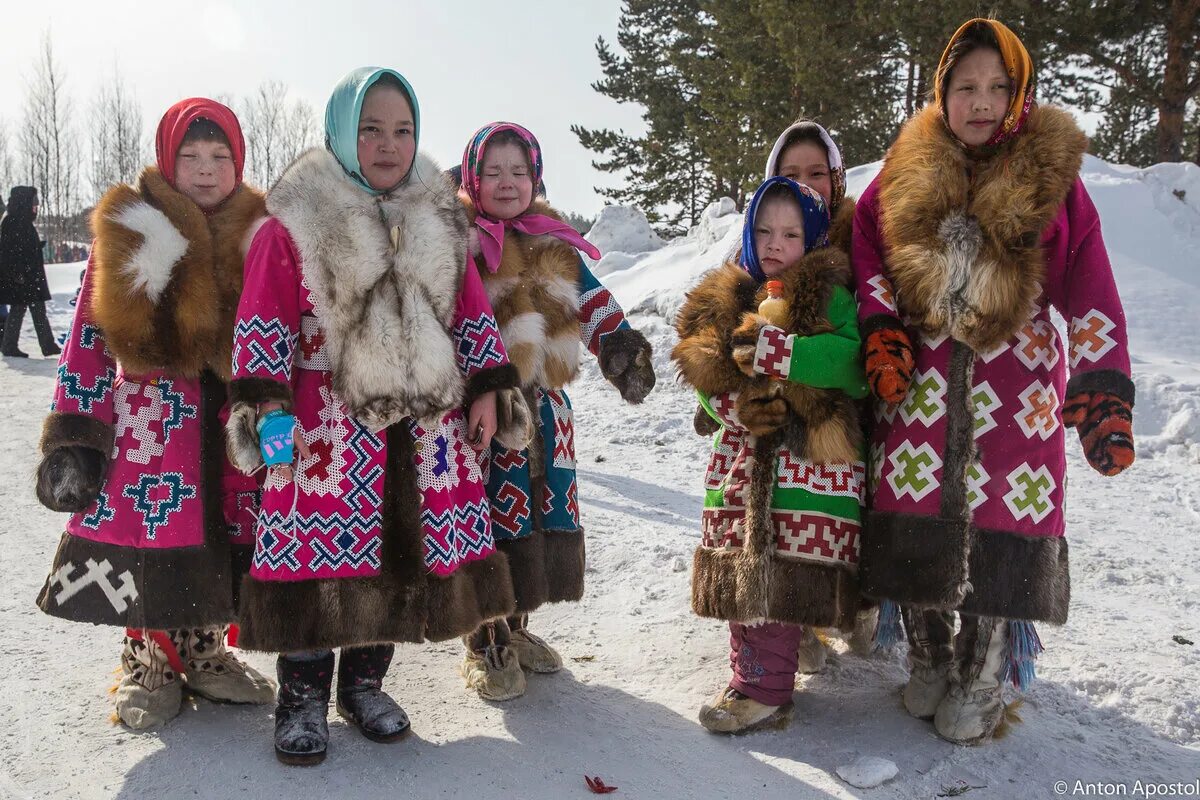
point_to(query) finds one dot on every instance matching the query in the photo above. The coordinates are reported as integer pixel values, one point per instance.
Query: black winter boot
(360, 696)
(301, 727)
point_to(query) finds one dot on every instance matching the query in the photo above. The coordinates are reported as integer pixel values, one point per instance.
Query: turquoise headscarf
(343, 111)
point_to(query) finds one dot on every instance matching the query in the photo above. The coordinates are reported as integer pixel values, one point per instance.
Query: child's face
(806, 162)
(977, 96)
(205, 172)
(778, 236)
(505, 184)
(387, 141)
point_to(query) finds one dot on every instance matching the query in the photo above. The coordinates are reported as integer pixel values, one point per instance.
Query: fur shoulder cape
(962, 236)
(385, 274)
(166, 278)
(535, 295)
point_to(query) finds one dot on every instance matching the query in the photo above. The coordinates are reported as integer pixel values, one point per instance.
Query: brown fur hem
(1112, 381)
(76, 430)
(260, 390)
(176, 587)
(726, 584)
(546, 567)
(950, 565)
(288, 616)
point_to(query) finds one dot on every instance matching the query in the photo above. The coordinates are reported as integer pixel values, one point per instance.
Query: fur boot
(810, 656)
(491, 667)
(301, 715)
(930, 660)
(734, 713)
(360, 695)
(150, 692)
(216, 674)
(974, 707)
(533, 653)
(862, 638)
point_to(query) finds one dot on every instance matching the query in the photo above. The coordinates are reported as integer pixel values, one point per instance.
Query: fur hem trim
(949, 565)
(726, 584)
(345, 612)
(76, 430)
(1113, 381)
(129, 587)
(546, 567)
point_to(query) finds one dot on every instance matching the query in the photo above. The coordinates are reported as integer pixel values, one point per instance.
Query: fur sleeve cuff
(492, 379)
(1111, 381)
(260, 390)
(78, 430)
(878, 322)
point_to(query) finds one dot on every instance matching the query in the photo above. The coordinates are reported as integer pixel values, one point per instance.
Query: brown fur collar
(962, 237)
(166, 278)
(535, 296)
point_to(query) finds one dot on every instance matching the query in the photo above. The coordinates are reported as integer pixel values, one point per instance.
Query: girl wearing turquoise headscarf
(367, 364)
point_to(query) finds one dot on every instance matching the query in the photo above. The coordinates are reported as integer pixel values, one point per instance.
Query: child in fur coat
(780, 527)
(976, 227)
(364, 329)
(161, 527)
(546, 302)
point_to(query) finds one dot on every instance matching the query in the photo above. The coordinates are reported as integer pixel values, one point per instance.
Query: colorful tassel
(888, 630)
(1023, 648)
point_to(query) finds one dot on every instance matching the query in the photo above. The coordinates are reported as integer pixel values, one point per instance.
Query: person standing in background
(23, 273)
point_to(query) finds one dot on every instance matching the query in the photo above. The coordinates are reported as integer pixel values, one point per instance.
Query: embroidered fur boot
(301, 715)
(360, 695)
(150, 692)
(974, 707)
(930, 660)
(491, 667)
(216, 674)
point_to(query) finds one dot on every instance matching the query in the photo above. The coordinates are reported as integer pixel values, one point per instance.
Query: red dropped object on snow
(598, 786)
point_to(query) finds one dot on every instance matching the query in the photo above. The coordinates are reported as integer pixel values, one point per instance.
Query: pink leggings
(764, 660)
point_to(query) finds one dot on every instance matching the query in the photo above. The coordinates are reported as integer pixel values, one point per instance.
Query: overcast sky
(469, 61)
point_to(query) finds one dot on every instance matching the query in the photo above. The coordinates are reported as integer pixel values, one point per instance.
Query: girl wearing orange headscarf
(976, 227)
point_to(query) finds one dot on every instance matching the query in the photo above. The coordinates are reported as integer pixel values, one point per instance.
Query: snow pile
(621, 234)
(1151, 225)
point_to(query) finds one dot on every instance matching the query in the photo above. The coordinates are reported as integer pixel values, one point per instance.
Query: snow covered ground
(1118, 699)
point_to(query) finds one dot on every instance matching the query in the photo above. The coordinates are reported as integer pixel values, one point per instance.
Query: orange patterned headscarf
(1017, 63)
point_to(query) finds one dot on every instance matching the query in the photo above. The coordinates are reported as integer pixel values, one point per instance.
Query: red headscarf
(174, 124)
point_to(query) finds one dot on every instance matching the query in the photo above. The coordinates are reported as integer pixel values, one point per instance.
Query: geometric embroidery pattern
(1029, 495)
(834, 480)
(1038, 415)
(724, 453)
(344, 549)
(261, 345)
(456, 534)
(773, 354)
(881, 290)
(88, 334)
(173, 403)
(912, 470)
(977, 478)
(986, 403)
(479, 344)
(816, 536)
(271, 550)
(926, 399)
(73, 388)
(599, 315)
(321, 472)
(102, 513)
(138, 423)
(1037, 344)
(875, 473)
(510, 509)
(564, 428)
(157, 497)
(1090, 337)
(95, 574)
(313, 355)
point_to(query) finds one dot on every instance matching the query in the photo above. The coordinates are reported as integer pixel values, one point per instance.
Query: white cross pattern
(97, 574)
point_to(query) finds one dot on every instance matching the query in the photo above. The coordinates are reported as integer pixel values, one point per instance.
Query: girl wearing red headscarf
(976, 228)
(160, 531)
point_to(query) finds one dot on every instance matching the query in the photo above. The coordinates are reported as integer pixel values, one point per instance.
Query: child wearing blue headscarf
(367, 364)
(784, 488)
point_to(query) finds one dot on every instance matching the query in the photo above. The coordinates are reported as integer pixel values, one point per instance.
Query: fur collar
(166, 278)
(962, 237)
(385, 274)
(535, 296)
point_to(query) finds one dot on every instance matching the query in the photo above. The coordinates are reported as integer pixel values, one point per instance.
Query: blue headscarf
(342, 113)
(813, 210)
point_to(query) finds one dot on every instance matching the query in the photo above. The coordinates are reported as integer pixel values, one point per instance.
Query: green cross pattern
(910, 473)
(1036, 489)
(983, 403)
(921, 398)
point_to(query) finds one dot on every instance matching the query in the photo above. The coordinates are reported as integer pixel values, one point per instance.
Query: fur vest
(384, 275)
(167, 277)
(962, 236)
(535, 296)
(824, 427)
